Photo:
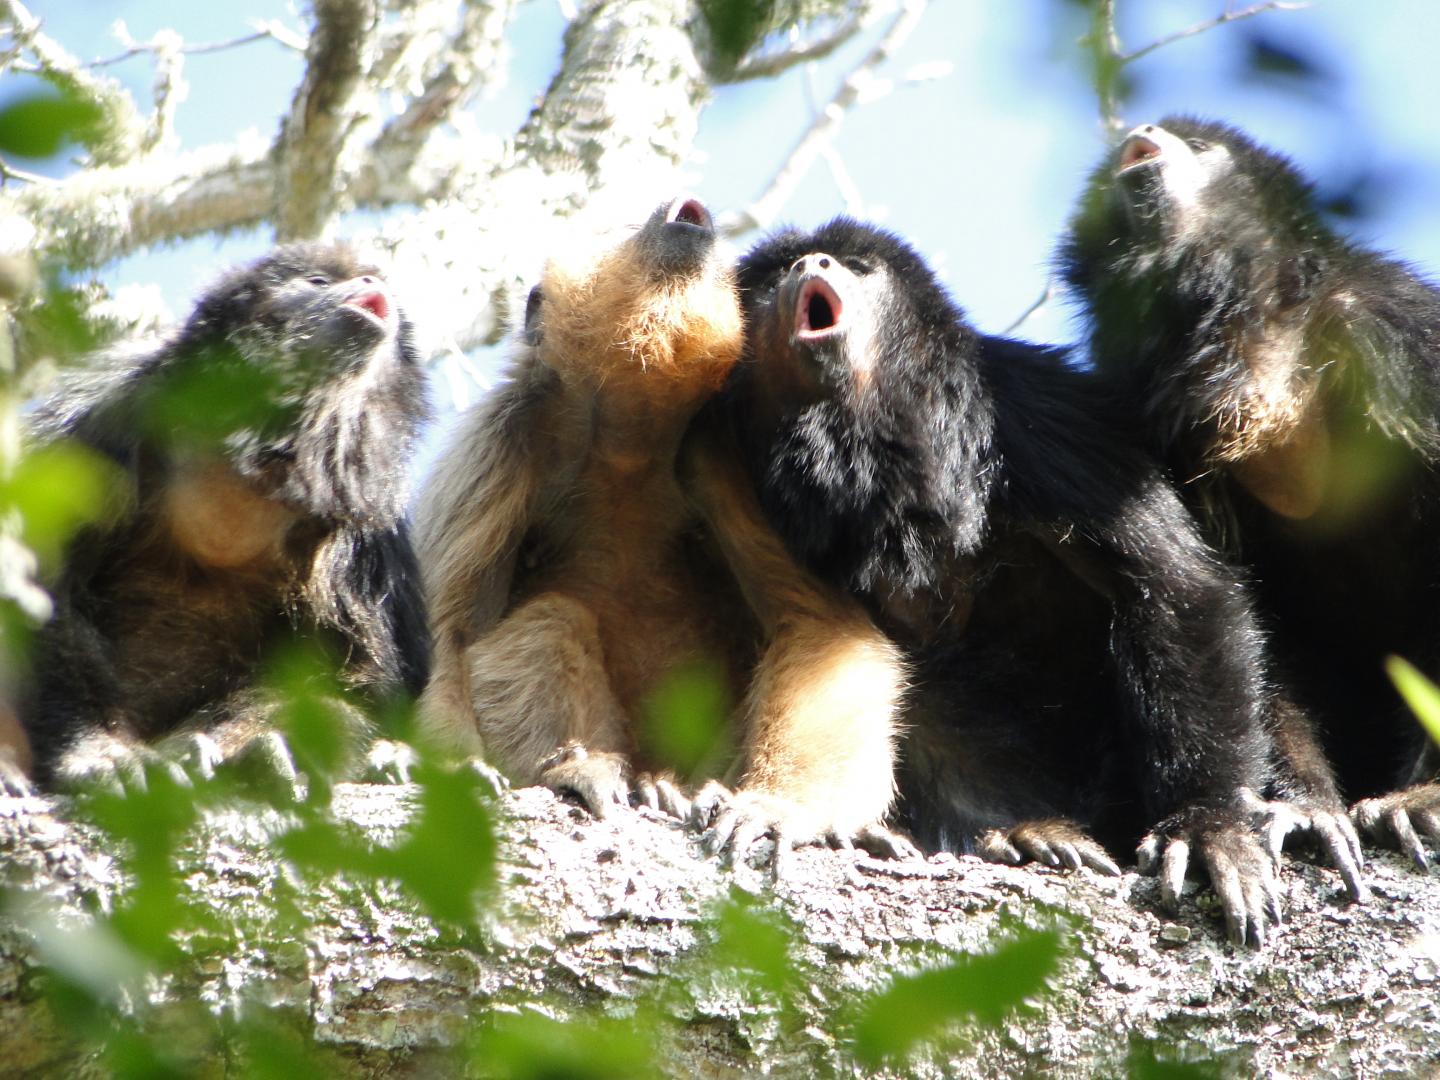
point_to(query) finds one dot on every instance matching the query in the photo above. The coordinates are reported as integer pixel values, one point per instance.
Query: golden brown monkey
(570, 574)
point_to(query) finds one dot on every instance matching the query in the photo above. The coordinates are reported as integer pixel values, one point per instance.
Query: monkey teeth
(818, 310)
(1137, 151)
(376, 304)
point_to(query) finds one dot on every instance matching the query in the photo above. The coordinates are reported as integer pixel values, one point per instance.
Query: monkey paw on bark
(1321, 820)
(733, 821)
(1242, 872)
(602, 780)
(1402, 818)
(1054, 842)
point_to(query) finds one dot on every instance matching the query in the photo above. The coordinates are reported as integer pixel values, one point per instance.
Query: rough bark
(596, 914)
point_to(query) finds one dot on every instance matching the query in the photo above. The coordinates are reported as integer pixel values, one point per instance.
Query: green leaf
(57, 488)
(685, 723)
(983, 988)
(532, 1047)
(41, 124)
(1422, 695)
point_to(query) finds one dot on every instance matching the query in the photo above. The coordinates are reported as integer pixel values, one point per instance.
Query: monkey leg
(543, 705)
(819, 764)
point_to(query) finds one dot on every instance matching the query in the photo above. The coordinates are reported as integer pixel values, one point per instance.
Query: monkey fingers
(1401, 818)
(1241, 871)
(882, 842)
(1329, 827)
(661, 794)
(14, 781)
(599, 779)
(1054, 842)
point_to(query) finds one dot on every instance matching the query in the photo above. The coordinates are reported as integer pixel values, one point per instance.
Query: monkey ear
(532, 333)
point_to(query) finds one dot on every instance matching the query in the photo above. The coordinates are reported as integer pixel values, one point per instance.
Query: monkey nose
(808, 263)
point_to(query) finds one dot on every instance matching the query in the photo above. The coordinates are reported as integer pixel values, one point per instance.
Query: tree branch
(1211, 24)
(764, 210)
(797, 52)
(123, 131)
(324, 120)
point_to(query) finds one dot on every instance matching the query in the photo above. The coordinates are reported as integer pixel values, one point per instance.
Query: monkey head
(654, 314)
(301, 371)
(849, 342)
(1183, 190)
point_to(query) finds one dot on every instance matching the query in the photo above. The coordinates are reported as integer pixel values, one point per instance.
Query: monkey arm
(472, 516)
(820, 713)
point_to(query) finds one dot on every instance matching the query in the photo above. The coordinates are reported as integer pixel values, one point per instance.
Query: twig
(764, 67)
(1050, 292)
(1210, 24)
(763, 210)
(271, 30)
(9, 172)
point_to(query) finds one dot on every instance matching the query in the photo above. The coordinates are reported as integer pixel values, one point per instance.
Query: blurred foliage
(1422, 695)
(56, 489)
(983, 988)
(41, 123)
(685, 722)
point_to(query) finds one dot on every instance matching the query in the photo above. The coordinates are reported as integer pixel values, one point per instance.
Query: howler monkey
(1081, 660)
(262, 449)
(570, 574)
(1291, 381)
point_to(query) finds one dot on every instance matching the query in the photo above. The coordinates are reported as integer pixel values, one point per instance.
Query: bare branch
(800, 52)
(1050, 292)
(270, 30)
(322, 119)
(1210, 24)
(762, 211)
(473, 59)
(122, 126)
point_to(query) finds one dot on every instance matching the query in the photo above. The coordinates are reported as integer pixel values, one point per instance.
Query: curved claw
(1329, 826)
(601, 780)
(1056, 842)
(1241, 872)
(663, 795)
(1401, 818)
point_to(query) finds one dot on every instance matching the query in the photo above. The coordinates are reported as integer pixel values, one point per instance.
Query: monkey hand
(734, 821)
(1325, 822)
(598, 778)
(1242, 873)
(14, 781)
(1402, 818)
(1053, 841)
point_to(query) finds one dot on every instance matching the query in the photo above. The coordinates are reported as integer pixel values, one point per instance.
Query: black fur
(312, 405)
(1078, 650)
(1194, 306)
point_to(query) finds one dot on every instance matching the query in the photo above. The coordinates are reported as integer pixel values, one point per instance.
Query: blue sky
(979, 169)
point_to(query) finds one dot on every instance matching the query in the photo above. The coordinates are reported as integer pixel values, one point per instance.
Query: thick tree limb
(600, 913)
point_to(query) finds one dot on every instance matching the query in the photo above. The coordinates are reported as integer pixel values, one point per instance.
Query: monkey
(259, 453)
(578, 549)
(1085, 675)
(1290, 380)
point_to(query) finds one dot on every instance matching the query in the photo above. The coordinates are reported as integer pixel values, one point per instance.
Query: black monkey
(263, 448)
(1080, 659)
(1291, 381)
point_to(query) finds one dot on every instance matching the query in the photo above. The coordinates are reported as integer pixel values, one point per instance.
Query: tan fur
(1276, 442)
(221, 520)
(568, 573)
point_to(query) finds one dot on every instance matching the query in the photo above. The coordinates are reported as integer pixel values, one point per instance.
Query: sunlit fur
(571, 571)
(224, 547)
(1077, 651)
(1291, 381)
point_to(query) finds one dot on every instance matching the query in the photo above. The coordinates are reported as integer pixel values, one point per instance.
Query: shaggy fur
(263, 448)
(1082, 662)
(1291, 380)
(570, 574)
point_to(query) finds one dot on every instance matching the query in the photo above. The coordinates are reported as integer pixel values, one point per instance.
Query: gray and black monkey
(1291, 381)
(1083, 667)
(263, 450)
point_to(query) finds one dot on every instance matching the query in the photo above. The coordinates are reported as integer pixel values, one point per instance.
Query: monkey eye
(858, 266)
(318, 279)
(1198, 145)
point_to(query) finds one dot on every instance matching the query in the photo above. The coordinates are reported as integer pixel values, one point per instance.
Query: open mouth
(1137, 151)
(374, 304)
(817, 310)
(686, 211)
